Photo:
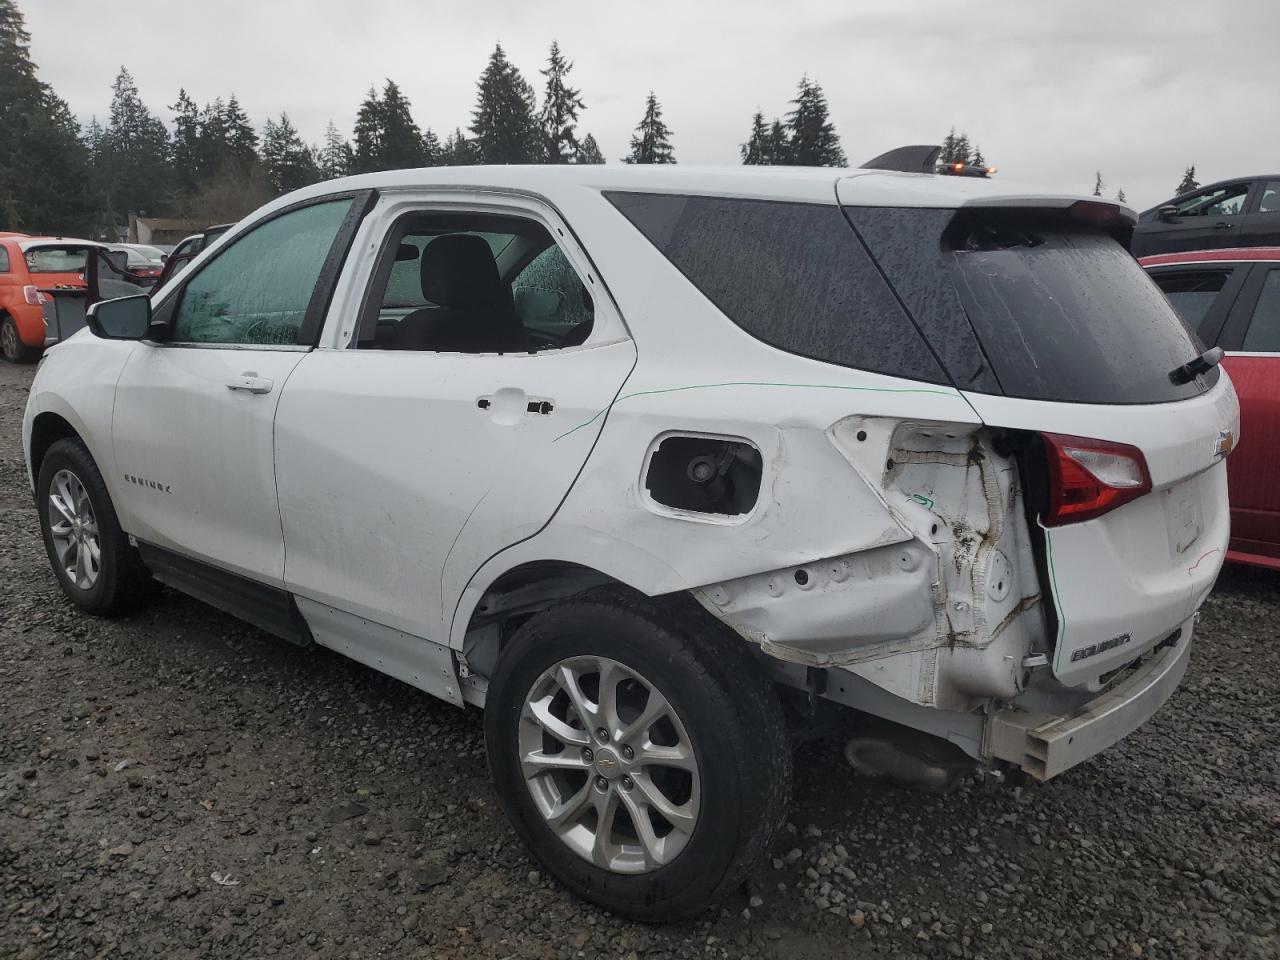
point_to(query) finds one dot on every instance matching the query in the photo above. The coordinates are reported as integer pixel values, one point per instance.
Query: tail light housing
(1088, 478)
(33, 296)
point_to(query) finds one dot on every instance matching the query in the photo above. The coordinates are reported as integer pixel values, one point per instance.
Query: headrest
(458, 270)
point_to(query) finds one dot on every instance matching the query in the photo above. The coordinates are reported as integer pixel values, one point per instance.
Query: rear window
(790, 274)
(55, 259)
(1062, 311)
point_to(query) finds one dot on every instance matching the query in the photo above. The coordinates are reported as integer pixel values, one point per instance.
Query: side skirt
(266, 607)
(429, 666)
(420, 663)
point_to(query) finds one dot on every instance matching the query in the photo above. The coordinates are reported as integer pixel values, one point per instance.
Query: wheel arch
(48, 428)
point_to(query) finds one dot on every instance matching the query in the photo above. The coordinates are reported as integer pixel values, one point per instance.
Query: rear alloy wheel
(90, 555)
(609, 764)
(640, 752)
(11, 345)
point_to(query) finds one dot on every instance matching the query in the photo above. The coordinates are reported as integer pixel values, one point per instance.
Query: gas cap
(999, 577)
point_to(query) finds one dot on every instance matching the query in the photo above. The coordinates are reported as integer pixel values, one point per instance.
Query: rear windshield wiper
(1194, 368)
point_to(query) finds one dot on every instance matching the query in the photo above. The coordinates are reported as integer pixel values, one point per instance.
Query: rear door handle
(1222, 225)
(250, 383)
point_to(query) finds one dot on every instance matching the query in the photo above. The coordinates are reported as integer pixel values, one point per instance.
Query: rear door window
(1200, 295)
(4, 260)
(1263, 335)
(1062, 311)
(790, 274)
(1270, 202)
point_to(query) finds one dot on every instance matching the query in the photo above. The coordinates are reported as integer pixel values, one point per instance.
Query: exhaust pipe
(891, 752)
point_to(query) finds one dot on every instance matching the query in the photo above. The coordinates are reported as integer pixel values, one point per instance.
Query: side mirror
(1168, 213)
(127, 318)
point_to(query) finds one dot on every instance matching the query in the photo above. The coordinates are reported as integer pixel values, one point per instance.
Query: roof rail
(918, 158)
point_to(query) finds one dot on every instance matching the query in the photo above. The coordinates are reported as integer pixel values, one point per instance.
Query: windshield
(55, 259)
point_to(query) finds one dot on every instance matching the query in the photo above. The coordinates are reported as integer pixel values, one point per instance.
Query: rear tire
(90, 555)
(11, 345)
(705, 769)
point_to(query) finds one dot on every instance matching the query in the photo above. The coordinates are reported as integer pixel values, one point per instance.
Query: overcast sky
(1052, 91)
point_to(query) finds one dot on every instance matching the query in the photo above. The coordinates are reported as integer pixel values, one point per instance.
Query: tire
(118, 583)
(730, 801)
(11, 345)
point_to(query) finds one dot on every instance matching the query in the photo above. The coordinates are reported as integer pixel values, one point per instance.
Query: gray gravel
(180, 785)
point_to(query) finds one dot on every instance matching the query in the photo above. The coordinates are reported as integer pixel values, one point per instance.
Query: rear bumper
(1045, 745)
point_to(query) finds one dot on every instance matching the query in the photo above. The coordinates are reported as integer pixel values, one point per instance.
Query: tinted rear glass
(1062, 311)
(791, 274)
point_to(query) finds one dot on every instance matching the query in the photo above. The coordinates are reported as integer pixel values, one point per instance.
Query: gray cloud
(1052, 91)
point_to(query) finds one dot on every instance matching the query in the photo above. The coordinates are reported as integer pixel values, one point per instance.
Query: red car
(1232, 300)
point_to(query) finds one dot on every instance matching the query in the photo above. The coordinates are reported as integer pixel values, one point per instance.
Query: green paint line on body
(755, 383)
(1057, 601)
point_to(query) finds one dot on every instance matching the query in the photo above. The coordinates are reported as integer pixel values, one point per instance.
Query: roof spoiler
(918, 158)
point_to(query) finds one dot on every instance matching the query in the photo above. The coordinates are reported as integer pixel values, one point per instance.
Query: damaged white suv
(637, 458)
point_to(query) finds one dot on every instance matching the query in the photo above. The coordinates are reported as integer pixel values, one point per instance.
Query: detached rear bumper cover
(1046, 745)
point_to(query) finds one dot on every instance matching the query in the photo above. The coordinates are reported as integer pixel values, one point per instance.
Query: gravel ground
(181, 785)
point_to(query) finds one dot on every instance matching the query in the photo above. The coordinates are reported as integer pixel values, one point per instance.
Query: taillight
(33, 296)
(1088, 478)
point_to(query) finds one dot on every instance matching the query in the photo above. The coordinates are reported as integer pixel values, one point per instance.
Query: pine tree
(963, 152)
(432, 151)
(651, 142)
(978, 160)
(287, 162)
(1098, 184)
(368, 134)
(1120, 197)
(186, 141)
(44, 165)
(814, 142)
(241, 139)
(589, 151)
(756, 149)
(334, 159)
(768, 145)
(504, 120)
(401, 139)
(779, 143)
(948, 153)
(1189, 181)
(560, 106)
(458, 151)
(211, 142)
(136, 172)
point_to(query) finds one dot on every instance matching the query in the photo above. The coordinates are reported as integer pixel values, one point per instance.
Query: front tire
(11, 345)
(639, 752)
(90, 555)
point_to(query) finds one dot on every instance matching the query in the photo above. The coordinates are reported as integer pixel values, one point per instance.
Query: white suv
(641, 460)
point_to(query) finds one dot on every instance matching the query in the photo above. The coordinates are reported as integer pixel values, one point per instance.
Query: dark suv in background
(1231, 213)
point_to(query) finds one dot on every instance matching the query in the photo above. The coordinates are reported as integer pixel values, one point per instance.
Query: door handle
(538, 405)
(250, 383)
(1222, 225)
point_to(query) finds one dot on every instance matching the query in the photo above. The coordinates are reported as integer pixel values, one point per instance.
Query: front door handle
(250, 383)
(1222, 225)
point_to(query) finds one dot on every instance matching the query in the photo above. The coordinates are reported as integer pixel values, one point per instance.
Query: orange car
(42, 279)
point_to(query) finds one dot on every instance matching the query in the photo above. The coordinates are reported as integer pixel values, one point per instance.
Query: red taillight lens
(33, 296)
(1088, 478)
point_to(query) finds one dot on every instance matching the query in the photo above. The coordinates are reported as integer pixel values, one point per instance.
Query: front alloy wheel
(609, 764)
(74, 530)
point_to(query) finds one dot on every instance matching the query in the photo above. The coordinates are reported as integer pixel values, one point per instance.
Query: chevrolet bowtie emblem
(1226, 443)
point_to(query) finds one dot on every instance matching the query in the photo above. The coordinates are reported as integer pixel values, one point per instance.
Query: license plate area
(1184, 516)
